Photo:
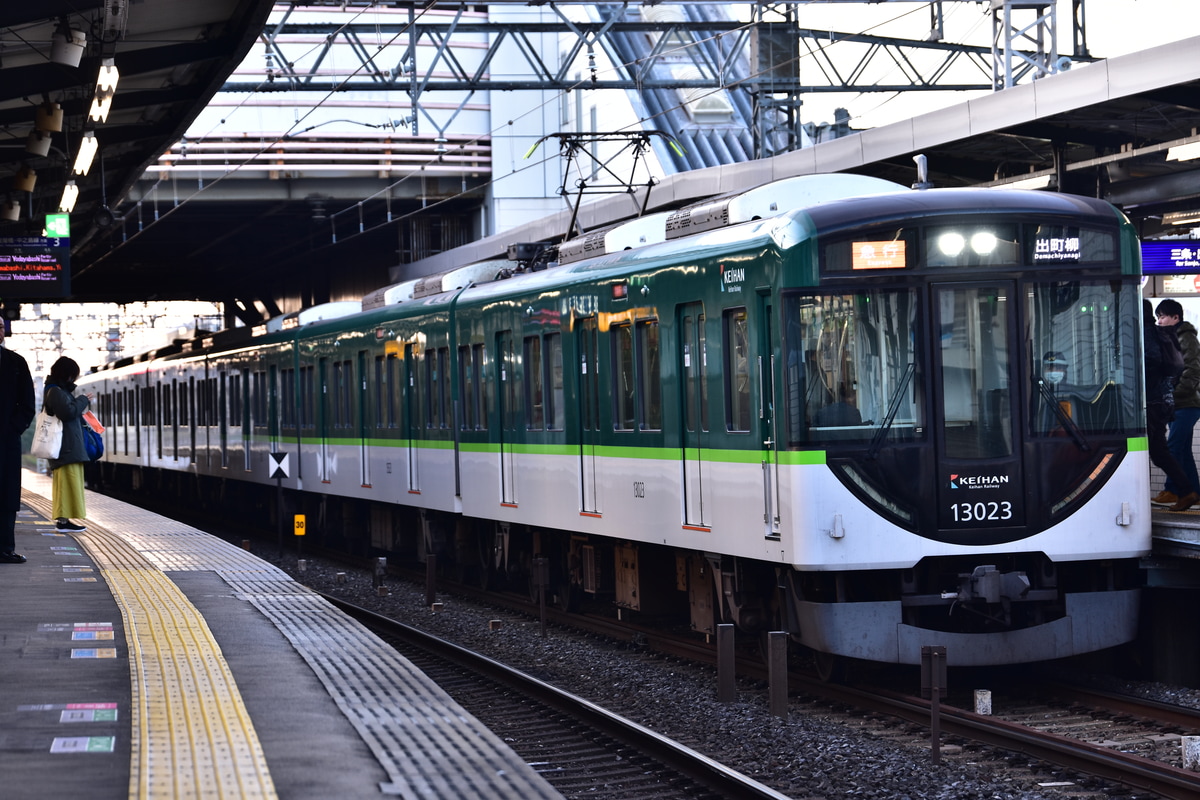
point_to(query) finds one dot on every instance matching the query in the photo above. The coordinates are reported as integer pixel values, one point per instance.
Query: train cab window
(650, 377)
(737, 370)
(534, 393)
(624, 378)
(1083, 363)
(850, 361)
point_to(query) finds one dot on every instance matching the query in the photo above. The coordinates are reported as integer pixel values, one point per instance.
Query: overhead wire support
(574, 144)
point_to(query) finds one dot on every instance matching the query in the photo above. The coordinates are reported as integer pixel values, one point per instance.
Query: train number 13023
(982, 512)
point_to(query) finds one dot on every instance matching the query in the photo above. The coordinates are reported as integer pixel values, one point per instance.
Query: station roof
(172, 56)
(1106, 130)
(1103, 129)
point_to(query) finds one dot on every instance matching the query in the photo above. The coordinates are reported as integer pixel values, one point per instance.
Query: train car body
(880, 420)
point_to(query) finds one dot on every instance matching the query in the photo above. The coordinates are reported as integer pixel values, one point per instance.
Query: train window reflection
(848, 360)
(1083, 358)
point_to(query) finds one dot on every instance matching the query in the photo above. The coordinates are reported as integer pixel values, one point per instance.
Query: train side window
(650, 374)
(287, 392)
(534, 416)
(308, 396)
(259, 399)
(479, 369)
(466, 379)
(737, 370)
(394, 390)
(554, 381)
(432, 404)
(624, 378)
(381, 392)
(444, 394)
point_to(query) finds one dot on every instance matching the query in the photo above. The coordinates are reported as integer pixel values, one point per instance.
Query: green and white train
(876, 418)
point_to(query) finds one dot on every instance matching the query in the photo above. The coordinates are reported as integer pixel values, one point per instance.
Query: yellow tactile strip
(428, 745)
(192, 735)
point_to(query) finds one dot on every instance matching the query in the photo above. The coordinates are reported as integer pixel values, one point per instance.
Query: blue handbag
(93, 443)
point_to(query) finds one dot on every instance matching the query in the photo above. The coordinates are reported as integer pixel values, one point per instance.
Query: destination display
(34, 267)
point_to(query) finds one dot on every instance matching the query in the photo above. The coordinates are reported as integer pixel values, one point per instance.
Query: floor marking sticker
(83, 744)
(79, 580)
(69, 707)
(80, 636)
(88, 715)
(59, 627)
(93, 652)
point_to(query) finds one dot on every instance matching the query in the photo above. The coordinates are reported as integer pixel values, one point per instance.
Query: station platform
(143, 658)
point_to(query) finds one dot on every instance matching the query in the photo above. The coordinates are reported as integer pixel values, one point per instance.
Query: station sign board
(1170, 257)
(34, 267)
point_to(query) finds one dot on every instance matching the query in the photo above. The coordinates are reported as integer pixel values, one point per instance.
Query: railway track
(1117, 739)
(582, 749)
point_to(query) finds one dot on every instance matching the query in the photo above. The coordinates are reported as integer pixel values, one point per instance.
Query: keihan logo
(976, 481)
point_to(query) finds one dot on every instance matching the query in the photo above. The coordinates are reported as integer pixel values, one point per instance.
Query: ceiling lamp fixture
(70, 195)
(38, 143)
(25, 179)
(49, 117)
(1184, 152)
(106, 87)
(66, 46)
(10, 210)
(87, 153)
(1181, 217)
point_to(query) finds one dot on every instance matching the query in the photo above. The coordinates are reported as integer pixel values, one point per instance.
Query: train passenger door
(587, 344)
(508, 399)
(765, 365)
(412, 418)
(693, 367)
(363, 431)
(325, 468)
(980, 475)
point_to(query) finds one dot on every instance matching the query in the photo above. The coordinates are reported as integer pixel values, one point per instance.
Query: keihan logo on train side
(977, 481)
(732, 278)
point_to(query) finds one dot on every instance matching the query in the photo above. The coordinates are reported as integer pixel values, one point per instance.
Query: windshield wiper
(893, 407)
(1063, 417)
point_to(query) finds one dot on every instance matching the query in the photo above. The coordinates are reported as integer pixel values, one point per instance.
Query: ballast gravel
(805, 756)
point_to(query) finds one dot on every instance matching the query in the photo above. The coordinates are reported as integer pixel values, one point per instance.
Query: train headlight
(951, 243)
(983, 242)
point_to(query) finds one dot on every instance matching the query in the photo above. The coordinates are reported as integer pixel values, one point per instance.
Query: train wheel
(830, 668)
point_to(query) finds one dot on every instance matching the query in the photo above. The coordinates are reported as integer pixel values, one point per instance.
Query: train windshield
(1083, 350)
(852, 366)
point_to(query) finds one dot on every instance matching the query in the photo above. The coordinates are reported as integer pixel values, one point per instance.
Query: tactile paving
(428, 746)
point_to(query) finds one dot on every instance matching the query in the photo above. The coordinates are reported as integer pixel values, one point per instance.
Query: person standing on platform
(1163, 366)
(1187, 399)
(67, 470)
(16, 412)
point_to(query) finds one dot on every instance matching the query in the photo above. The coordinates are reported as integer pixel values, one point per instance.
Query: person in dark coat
(16, 412)
(66, 471)
(1163, 366)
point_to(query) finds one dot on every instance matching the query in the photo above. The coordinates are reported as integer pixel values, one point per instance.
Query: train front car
(961, 413)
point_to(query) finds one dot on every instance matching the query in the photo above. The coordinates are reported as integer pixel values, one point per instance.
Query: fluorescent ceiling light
(87, 153)
(1181, 217)
(70, 195)
(1184, 152)
(106, 87)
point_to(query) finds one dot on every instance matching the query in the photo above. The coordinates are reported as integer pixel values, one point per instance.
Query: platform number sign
(279, 466)
(298, 524)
